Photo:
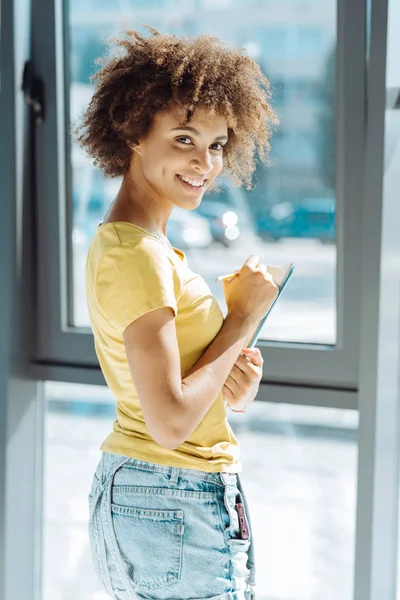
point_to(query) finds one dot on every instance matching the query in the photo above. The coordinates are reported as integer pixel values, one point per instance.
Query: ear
(135, 147)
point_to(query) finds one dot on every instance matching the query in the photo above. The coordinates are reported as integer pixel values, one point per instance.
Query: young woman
(170, 114)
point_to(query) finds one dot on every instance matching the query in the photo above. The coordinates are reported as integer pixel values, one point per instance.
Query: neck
(138, 203)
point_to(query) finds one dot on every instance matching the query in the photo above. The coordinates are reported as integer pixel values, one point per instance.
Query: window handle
(33, 89)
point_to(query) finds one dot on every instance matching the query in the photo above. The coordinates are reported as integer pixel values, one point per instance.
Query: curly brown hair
(154, 73)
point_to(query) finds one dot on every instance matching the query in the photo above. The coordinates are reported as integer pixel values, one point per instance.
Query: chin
(189, 204)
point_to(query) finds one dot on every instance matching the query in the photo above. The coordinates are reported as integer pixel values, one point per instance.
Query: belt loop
(226, 478)
(174, 475)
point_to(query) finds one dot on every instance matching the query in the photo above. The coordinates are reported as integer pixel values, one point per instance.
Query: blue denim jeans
(164, 533)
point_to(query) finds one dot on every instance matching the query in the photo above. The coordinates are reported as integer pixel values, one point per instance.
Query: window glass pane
(299, 473)
(290, 215)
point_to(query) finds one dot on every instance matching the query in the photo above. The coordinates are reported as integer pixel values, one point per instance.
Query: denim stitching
(183, 473)
(176, 493)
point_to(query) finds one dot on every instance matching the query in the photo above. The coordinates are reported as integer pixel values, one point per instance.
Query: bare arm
(173, 407)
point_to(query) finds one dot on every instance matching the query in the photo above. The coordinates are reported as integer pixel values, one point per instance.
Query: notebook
(281, 276)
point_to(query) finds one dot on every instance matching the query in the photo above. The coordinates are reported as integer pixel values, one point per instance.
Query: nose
(202, 162)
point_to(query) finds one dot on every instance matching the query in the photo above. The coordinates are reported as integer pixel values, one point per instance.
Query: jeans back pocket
(151, 544)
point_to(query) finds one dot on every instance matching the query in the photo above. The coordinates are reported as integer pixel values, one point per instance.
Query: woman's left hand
(242, 384)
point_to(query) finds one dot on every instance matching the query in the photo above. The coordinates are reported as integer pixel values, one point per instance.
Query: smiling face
(179, 160)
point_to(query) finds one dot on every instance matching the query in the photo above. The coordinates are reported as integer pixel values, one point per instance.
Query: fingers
(238, 384)
(252, 261)
(228, 390)
(245, 374)
(250, 372)
(239, 376)
(262, 269)
(254, 356)
(252, 264)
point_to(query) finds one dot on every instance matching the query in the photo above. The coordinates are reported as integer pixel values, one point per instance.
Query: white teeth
(194, 182)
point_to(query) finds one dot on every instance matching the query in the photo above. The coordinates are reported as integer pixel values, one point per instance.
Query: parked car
(186, 229)
(307, 218)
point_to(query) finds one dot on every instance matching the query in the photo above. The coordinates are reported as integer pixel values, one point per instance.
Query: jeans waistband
(109, 460)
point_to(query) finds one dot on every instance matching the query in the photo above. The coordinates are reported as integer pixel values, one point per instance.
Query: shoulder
(126, 257)
(133, 275)
(121, 243)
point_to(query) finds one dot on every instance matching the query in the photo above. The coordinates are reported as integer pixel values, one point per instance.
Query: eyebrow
(193, 130)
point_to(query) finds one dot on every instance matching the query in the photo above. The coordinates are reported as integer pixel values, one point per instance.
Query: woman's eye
(184, 140)
(220, 146)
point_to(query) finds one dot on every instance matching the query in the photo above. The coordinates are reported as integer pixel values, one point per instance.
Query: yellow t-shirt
(128, 273)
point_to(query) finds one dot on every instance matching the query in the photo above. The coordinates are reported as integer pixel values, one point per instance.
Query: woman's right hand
(250, 295)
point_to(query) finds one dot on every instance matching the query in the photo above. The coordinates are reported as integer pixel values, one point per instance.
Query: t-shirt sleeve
(134, 279)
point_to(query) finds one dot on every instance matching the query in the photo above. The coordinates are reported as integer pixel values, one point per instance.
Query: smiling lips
(190, 182)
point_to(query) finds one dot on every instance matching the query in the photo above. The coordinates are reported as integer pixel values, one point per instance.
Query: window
(296, 212)
(257, 224)
(91, 195)
(309, 41)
